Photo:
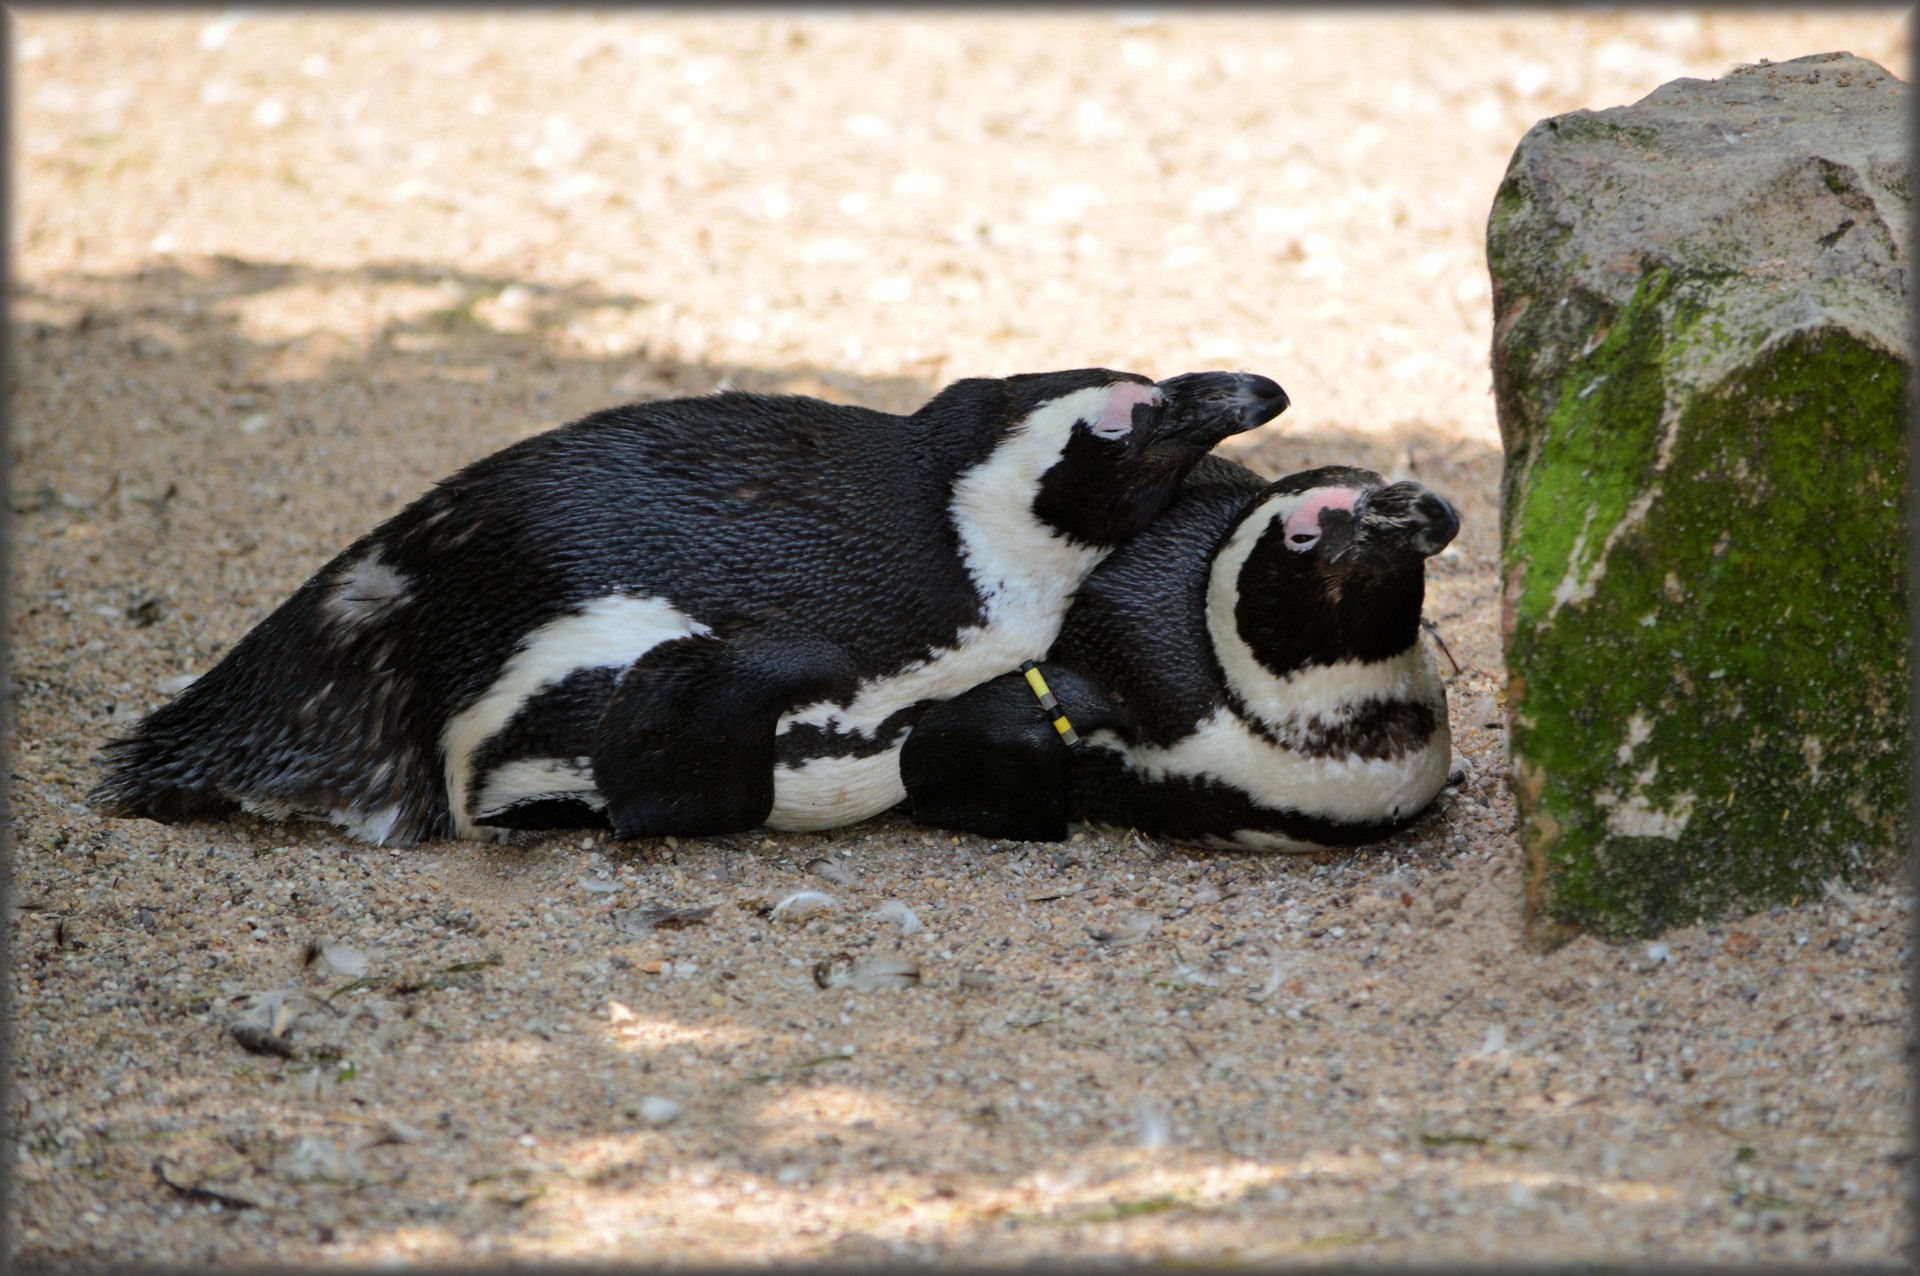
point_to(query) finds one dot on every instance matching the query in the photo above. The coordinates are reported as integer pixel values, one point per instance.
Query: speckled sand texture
(274, 274)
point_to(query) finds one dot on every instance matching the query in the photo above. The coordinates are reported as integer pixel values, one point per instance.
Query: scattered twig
(1433, 631)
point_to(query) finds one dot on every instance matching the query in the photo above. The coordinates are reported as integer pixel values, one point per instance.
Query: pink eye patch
(1116, 420)
(1303, 525)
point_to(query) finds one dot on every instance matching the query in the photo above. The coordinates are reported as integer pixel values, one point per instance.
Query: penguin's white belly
(1346, 788)
(832, 791)
(1020, 623)
(824, 793)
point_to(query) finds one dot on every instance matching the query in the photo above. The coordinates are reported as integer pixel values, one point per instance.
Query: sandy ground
(272, 275)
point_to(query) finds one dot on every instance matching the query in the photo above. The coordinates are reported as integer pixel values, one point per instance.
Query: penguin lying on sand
(689, 616)
(1247, 672)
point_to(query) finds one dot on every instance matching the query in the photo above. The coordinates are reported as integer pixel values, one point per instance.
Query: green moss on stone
(1591, 124)
(1710, 711)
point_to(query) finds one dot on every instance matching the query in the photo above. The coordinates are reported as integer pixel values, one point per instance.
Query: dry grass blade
(1275, 975)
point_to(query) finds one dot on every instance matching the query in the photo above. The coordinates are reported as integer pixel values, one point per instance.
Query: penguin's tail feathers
(140, 784)
(218, 749)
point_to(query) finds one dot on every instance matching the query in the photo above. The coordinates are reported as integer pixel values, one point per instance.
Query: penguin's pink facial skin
(1129, 450)
(1116, 422)
(1303, 525)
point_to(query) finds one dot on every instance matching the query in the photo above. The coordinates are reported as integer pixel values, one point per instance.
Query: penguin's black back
(1139, 622)
(826, 518)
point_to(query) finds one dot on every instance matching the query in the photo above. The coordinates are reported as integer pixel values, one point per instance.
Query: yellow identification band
(1049, 703)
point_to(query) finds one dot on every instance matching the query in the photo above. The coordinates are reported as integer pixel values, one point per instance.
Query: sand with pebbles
(274, 274)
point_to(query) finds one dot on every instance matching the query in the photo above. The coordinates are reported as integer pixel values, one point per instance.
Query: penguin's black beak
(1206, 407)
(1408, 514)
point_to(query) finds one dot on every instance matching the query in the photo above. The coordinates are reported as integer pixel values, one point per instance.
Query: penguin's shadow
(193, 440)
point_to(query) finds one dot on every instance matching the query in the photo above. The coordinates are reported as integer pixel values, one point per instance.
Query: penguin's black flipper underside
(992, 761)
(686, 744)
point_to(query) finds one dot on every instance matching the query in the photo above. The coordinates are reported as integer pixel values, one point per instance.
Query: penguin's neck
(1309, 669)
(1017, 561)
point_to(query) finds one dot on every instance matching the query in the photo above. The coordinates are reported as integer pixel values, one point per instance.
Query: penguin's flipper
(992, 761)
(685, 746)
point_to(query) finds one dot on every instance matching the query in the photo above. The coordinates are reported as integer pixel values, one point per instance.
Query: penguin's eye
(1303, 525)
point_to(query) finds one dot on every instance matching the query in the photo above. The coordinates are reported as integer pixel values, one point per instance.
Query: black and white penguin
(688, 616)
(1247, 672)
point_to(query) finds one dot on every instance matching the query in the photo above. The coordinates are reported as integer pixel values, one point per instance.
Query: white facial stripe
(606, 633)
(1006, 547)
(1223, 591)
(1317, 689)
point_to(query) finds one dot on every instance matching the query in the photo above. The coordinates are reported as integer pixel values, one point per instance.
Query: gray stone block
(1701, 365)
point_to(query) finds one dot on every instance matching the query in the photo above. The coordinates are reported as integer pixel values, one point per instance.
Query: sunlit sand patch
(634, 1031)
(1511, 1176)
(804, 1117)
(343, 309)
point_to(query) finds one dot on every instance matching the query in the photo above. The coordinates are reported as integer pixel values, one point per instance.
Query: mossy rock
(1701, 367)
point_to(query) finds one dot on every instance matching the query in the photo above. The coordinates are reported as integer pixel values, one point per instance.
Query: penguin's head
(1127, 443)
(1091, 455)
(1329, 565)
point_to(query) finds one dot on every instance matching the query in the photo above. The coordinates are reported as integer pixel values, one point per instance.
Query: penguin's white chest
(1331, 785)
(831, 791)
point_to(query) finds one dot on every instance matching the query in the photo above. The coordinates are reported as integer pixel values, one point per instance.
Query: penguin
(1246, 673)
(691, 616)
